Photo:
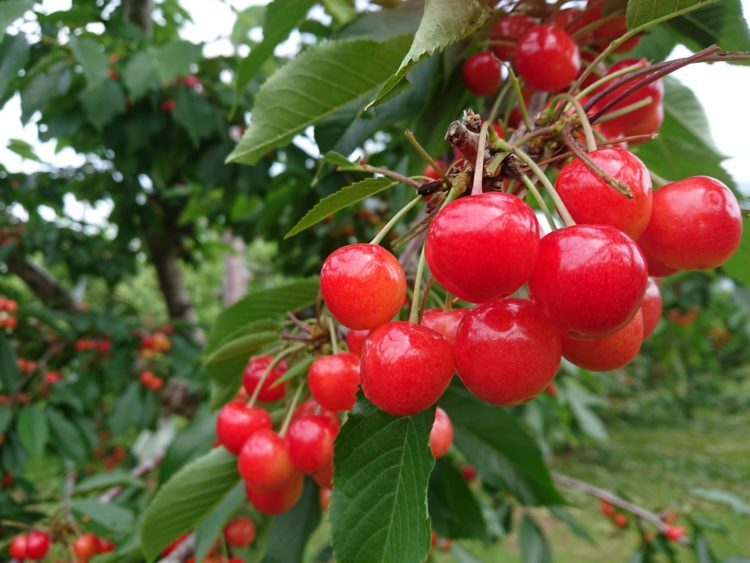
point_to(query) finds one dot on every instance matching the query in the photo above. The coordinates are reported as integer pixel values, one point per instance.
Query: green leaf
(226, 364)
(52, 82)
(384, 24)
(10, 376)
(6, 416)
(340, 200)
(200, 204)
(724, 497)
(454, 510)
(580, 399)
(722, 24)
(534, 546)
(193, 441)
(33, 430)
(443, 24)
(188, 497)
(198, 117)
(504, 455)
(212, 525)
(127, 410)
(66, 437)
(23, 149)
(14, 52)
(247, 19)
(140, 74)
(93, 59)
(573, 525)
(641, 12)
(379, 503)
(10, 11)
(738, 266)
(103, 102)
(105, 518)
(343, 11)
(101, 481)
(291, 531)
(312, 86)
(175, 59)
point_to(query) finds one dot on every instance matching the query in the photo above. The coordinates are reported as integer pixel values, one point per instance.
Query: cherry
(567, 18)
(236, 422)
(589, 279)
(482, 74)
(405, 367)
(311, 406)
(547, 58)
(324, 478)
(441, 435)
(656, 268)
(334, 380)
(506, 32)
(675, 533)
(507, 352)
(239, 532)
(620, 520)
(175, 542)
(606, 508)
(37, 545)
(608, 353)
(469, 473)
(483, 247)
(355, 340)
(600, 70)
(651, 307)
(105, 546)
(310, 443)
(278, 501)
(168, 105)
(444, 322)
(654, 90)
(591, 200)
(612, 29)
(696, 224)
(363, 285)
(253, 373)
(265, 463)
(433, 174)
(86, 546)
(18, 546)
(649, 126)
(325, 498)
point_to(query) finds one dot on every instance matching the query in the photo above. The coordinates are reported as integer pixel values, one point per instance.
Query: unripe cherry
(507, 31)
(608, 353)
(363, 285)
(651, 307)
(253, 374)
(405, 367)
(355, 340)
(18, 546)
(236, 422)
(264, 461)
(444, 322)
(239, 532)
(507, 352)
(547, 58)
(334, 379)
(482, 74)
(441, 434)
(310, 443)
(37, 545)
(279, 501)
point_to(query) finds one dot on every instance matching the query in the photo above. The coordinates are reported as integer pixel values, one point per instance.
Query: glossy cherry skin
(656, 268)
(649, 126)
(507, 31)
(37, 545)
(441, 434)
(363, 285)
(547, 58)
(310, 443)
(264, 461)
(278, 501)
(651, 307)
(654, 90)
(355, 340)
(254, 372)
(333, 381)
(239, 532)
(18, 546)
(483, 247)
(696, 224)
(482, 74)
(608, 353)
(86, 546)
(444, 322)
(507, 352)
(591, 200)
(236, 422)
(405, 367)
(311, 406)
(589, 279)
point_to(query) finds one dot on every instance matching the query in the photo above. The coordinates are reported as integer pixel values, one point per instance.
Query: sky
(721, 88)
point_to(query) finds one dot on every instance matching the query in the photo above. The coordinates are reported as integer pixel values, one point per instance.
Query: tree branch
(42, 284)
(139, 13)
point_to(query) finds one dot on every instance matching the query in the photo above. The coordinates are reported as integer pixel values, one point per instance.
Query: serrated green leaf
(176, 58)
(454, 510)
(225, 365)
(722, 24)
(101, 103)
(188, 497)
(140, 74)
(198, 117)
(738, 266)
(212, 525)
(100, 481)
(534, 546)
(104, 518)
(641, 12)
(291, 531)
(191, 442)
(385, 24)
(10, 11)
(93, 59)
(33, 430)
(14, 52)
(313, 85)
(340, 200)
(379, 502)
(66, 438)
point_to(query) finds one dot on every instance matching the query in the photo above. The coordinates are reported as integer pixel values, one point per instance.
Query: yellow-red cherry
(240, 532)
(482, 74)
(355, 340)
(253, 374)
(86, 546)
(310, 443)
(547, 58)
(264, 461)
(651, 307)
(334, 380)
(236, 422)
(279, 501)
(441, 434)
(608, 353)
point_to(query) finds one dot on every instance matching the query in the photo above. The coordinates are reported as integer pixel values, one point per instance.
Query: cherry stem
(583, 118)
(277, 358)
(427, 288)
(414, 311)
(393, 175)
(658, 180)
(519, 96)
(290, 409)
(395, 219)
(299, 324)
(593, 26)
(619, 112)
(593, 166)
(540, 200)
(425, 155)
(608, 78)
(476, 187)
(334, 337)
(498, 101)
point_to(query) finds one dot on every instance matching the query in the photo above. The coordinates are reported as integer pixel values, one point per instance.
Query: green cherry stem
(630, 108)
(277, 358)
(540, 200)
(498, 101)
(414, 311)
(519, 97)
(424, 154)
(334, 337)
(605, 79)
(395, 219)
(290, 409)
(583, 118)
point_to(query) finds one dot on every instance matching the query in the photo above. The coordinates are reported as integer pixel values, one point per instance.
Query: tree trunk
(139, 13)
(40, 281)
(236, 274)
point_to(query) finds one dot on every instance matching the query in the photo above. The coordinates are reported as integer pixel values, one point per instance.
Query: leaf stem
(499, 100)
(395, 219)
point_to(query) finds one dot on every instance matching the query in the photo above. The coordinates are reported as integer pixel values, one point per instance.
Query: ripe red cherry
(620, 520)
(310, 443)
(675, 533)
(37, 545)
(236, 422)
(18, 546)
(265, 463)
(696, 224)
(654, 90)
(591, 200)
(506, 32)
(589, 279)
(334, 380)
(441, 435)
(649, 126)
(547, 58)
(651, 307)
(254, 372)
(444, 322)
(433, 174)
(105, 546)
(325, 498)
(608, 353)
(612, 29)
(311, 406)
(507, 352)
(355, 340)
(656, 268)
(363, 285)
(405, 367)
(278, 501)
(482, 74)
(240, 532)
(324, 478)
(86, 546)
(483, 247)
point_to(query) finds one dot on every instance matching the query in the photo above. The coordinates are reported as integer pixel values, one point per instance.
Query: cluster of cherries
(621, 520)
(8, 319)
(33, 546)
(151, 381)
(88, 545)
(154, 344)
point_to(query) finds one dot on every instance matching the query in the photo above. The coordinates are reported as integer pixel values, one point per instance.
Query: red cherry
(589, 279)
(506, 32)
(651, 307)
(86, 546)
(431, 173)
(547, 58)
(620, 520)
(324, 478)
(105, 546)
(310, 443)
(612, 29)
(675, 533)
(696, 224)
(311, 406)
(168, 105)
(240, 532)
(18, 546)
(253, 373)
(444, 322)
(591, 200)
(190, 81)
(175, 542)
(37, 545)
(325, 498)
(334, 380)
(441, 435)
(363, 285)
(608, 353)
(483, 247)
(355, 340)
(507, 352)
(405, 367)
(236, 422)
(482, 74)
(469, 473)
(278, 501)
(265, 463)
(656, 268)
(649, 126)
(606, 508)
(654, 90)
